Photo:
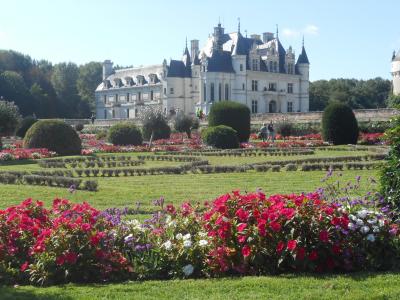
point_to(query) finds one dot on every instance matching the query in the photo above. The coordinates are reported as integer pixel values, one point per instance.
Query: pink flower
(24, 266)
(246, 250)
(280, 247)
(291, 245)
(324, 236)
(241, 227)
(242, 215)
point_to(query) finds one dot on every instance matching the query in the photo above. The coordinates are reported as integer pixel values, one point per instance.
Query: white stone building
(254, 71)
(396, 72)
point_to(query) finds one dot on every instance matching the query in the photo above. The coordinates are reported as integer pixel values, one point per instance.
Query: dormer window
(153, 78)
(140, 79)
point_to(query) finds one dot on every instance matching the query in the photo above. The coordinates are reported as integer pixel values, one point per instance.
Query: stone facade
(255, 71)
(395, 71)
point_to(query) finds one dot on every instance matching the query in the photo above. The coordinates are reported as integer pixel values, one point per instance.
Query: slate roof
(220, 61)
(177, 68)
(303, 58)
(396, 57)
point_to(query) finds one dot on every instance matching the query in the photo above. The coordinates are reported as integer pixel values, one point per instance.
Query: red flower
(241, 227)
(71, 258)
(24, 266)
(246, 251)
(242, 239)
(86, 227)
(324, 236)
(171, 209)
(336, 249)
(291, 245)
(242, 215)
(280, 247)
(275, 226)
(301, 252)
(313, 255)
(60, 260)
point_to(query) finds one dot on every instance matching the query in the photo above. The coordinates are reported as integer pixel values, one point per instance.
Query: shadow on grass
(18, 293)
(18, 162)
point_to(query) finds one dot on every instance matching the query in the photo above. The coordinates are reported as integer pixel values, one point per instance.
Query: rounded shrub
(54, 135)
(25, 124)
(183, 123)
(231, 114)
(339, 125)
(223, 137)
(125, 134)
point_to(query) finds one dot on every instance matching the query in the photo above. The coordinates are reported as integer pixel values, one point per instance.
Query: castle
(396, 72)
(256, 71)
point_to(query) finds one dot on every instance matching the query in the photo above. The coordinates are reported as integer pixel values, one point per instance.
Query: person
(263, 132)
(271, 132)
(93, 118)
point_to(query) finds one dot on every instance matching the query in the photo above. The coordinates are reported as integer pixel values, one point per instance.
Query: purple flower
(72, 189)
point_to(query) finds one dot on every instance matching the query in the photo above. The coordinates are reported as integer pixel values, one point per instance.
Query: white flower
(352, 217)
(225, 219)
(202, 234)
(359, 222)
(362, 213)
(381, 223)
(371, 237)
(187, 236)
(128, 238)
(203, 243)
(167, 245)
(188, 270)
(372, 221)
(179, 236)
(187, 243)
(352, 226)
(364, 229)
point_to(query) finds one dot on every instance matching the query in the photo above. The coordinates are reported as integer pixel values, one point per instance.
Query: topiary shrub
(231, 114)
(54, 135)
(25, 124)
(339, 125)
(79, 127)
(221, 136)
(125, 134)
(155, 123)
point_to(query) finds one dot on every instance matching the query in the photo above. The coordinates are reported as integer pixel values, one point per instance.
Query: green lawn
(354, 286)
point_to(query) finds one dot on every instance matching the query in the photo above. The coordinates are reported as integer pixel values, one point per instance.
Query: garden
(177, 211)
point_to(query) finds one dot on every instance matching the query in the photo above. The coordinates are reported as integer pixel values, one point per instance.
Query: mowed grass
(354, 286)
(127, 191)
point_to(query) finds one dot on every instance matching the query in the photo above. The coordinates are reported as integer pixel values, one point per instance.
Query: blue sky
(343, 38)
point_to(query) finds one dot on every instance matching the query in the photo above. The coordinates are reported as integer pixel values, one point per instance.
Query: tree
(13, 88)
(89, 77)
(393, 101)
(184, 123)
(9, 118)
(155, 125)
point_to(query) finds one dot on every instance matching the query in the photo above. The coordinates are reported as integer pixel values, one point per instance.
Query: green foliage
(125, 134)
(184, 123)
(54, 135)
(339, 125)
(374, 126)
(155, 123)
(9, 118)
(231, 114)
(370, 93)
(223, 137)
(393, 101)
(24, 125)
(390, 175)
(285, 128)
(89, 77)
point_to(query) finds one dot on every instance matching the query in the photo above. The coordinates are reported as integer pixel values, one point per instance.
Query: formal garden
(172, 209)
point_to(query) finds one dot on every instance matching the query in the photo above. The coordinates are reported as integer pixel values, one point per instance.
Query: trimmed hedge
(339, 125)
(232, 114)
(25, 124)
(222, 137)
(54, 135)
(125, 134)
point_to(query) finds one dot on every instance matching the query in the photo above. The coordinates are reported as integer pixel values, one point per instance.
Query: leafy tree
(89, 77)
(13, 88)
(184, 123)
(155, 125)
(9, 118)
(393, 101)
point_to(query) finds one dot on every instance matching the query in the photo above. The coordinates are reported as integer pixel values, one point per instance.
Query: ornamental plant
(222, 137)
(125, 134)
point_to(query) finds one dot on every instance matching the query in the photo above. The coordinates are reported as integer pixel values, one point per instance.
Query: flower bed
(20, 154)
(235, 234)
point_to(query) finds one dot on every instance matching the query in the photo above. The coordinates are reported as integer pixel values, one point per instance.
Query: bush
(9, 118)
(184, 123)
(231, 114)
(285, 128)
(339, 125)
(25, 124)
(222, 137)
(79, 127)
(125, 134)
(54, 135)
(390, 174)
(154, 123)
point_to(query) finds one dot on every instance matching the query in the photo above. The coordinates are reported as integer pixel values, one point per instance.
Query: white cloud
(307, 30)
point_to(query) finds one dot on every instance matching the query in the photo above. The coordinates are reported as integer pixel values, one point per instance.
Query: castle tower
(107, 68)
(396, 73)
(303, 68)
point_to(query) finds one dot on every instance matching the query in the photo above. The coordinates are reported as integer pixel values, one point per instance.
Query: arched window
(226, 91)
(220, 91)
(205, 93)
(212, 93)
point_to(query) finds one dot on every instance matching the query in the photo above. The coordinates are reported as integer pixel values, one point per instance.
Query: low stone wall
(363, 115)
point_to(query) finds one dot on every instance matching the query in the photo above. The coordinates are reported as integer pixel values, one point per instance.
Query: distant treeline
(63, 90)
(66, 90)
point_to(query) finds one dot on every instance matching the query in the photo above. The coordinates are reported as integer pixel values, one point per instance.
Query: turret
(303, 68)
(107, 68)
(395, 71)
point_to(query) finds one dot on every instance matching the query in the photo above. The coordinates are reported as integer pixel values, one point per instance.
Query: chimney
(194, 48)
(107, 68)
(267, 36)
(255, 37)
